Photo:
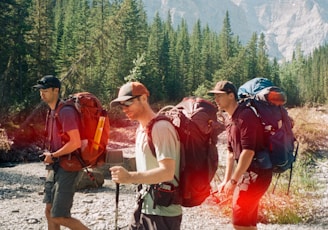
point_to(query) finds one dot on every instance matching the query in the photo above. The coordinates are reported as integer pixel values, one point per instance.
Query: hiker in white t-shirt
(133, 100)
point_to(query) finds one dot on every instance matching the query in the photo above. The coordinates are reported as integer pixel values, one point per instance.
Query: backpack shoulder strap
(64, 136)
(149, 129)
(249, 103)
(59, 106)
(46, 143)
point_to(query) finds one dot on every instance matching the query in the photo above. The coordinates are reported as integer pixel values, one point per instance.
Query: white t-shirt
(167, 145)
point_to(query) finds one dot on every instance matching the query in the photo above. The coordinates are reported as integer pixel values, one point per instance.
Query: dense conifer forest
(97, 45)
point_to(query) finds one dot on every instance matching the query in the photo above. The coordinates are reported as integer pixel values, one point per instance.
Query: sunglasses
(46, 83)
(129, 102)
(42, 82)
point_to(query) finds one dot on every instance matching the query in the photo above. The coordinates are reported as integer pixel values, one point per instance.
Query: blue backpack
(267, 100)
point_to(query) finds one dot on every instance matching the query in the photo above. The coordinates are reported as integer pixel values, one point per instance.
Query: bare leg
(54, 223)
(70, 223)
(51, 224)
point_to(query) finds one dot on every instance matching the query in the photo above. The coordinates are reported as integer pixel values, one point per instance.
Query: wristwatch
(233, 181)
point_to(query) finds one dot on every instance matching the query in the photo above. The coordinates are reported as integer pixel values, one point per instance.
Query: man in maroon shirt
(244, 180)
(60, 185)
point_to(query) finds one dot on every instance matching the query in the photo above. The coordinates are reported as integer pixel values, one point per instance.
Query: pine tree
(182, 50)
(209, 54)
(251, 58)
(263, 66)
(155, 57)
(226, 40)
(126, 38)
(274, 72)
(14, 83)
(173, 81)
(195, 76)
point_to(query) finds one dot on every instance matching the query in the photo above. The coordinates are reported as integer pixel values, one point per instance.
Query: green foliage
(136, 73)
(97, 47)
(226, 40)
(202, 91)
(296, 207)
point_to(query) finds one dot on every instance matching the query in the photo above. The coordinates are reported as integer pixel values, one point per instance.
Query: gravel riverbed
(21, 205)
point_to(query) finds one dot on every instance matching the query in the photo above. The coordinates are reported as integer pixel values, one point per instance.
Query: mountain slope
(285, 23)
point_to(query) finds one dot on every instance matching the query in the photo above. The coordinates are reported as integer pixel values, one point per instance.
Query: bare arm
(229, 167)
(73, 144)
(228, 170)
(244, 162)
(165, 172)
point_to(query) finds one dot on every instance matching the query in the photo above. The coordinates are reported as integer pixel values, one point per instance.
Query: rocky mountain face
(287, 24)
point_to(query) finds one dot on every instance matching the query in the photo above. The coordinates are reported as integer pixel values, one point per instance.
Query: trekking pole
(274, 188)
(291, 169)
(116, 205)
(289, 181)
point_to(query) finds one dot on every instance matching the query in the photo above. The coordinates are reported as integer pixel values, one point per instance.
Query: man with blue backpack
(248, 168)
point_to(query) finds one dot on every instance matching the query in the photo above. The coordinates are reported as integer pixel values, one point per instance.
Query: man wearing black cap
(133, 100)
(245, 181)
(60, 184)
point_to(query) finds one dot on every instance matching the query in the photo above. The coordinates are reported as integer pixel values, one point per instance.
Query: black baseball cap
(48, 81)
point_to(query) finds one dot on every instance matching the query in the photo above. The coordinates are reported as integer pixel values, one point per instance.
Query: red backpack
(94, 131)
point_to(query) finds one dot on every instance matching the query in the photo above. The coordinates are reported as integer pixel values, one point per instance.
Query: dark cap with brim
(223, 87)
(48, 81)
(128, 91)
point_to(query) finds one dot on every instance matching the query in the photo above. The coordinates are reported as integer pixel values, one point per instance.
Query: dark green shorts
(153, 222)
(59, 191)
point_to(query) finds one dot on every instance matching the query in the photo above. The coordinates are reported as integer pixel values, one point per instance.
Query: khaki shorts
(59, 191)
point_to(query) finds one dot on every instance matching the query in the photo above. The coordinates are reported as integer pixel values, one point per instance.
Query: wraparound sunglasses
(129, 102)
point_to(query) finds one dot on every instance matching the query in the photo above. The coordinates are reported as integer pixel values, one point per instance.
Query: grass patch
(299, 205)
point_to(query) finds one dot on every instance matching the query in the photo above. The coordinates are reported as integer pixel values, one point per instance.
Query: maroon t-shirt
(69, 120)
(245, 131)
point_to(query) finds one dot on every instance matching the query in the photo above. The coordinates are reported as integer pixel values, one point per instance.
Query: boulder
(85, 181)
